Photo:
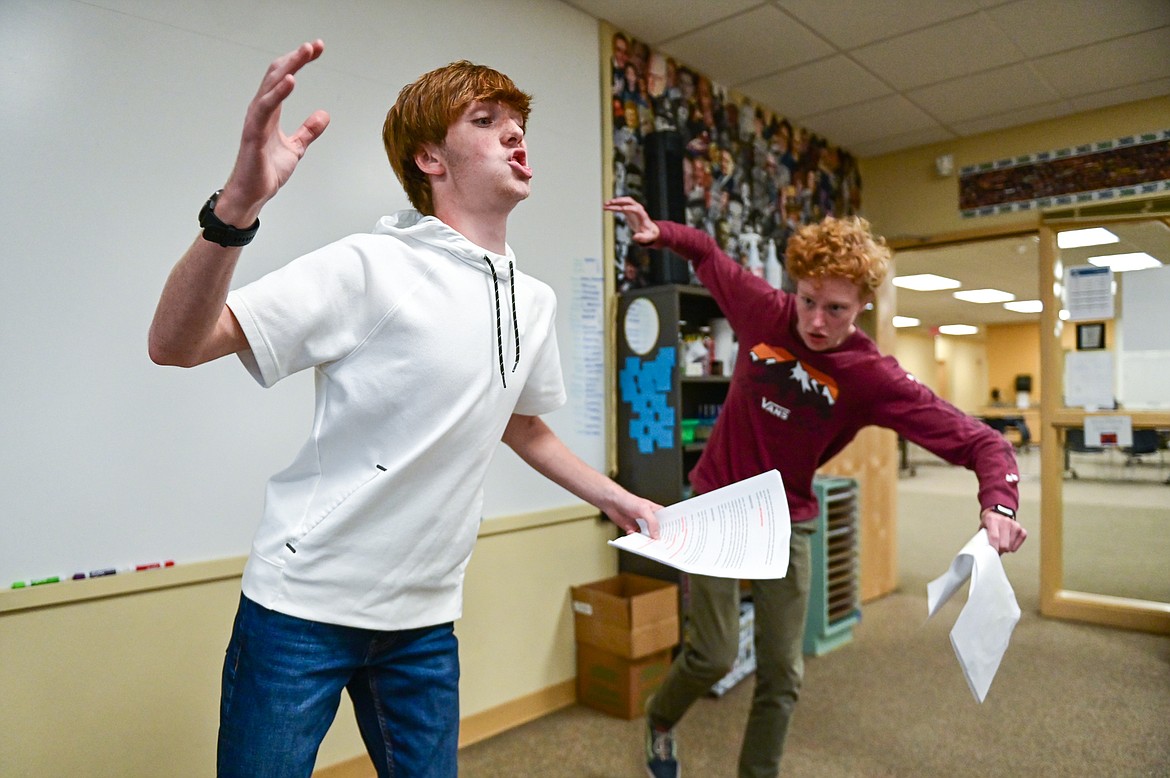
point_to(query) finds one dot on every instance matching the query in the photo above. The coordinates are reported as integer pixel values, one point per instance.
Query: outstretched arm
(192, 325)
(540, 447)
(922, 417)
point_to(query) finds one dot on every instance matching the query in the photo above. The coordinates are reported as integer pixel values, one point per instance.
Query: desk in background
(1020, 425)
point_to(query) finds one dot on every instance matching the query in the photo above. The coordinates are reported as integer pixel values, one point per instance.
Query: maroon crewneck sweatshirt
(792, 409)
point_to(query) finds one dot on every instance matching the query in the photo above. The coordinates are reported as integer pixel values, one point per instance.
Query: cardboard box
(616, 685)
(629, 616)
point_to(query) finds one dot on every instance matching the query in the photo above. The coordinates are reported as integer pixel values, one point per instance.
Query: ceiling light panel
(1093, 236)
(1025, 306)
(926, 282)
(1119, 263)
(958, 329)
(984, 296)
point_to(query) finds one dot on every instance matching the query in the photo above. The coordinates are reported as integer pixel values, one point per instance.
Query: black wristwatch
(217, 231)
(1003, 510)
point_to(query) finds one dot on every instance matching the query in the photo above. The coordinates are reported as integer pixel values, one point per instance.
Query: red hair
(425, 110)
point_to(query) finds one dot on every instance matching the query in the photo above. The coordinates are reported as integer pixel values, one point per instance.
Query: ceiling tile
(970, 97)
(956, 61)
(1047, 26)
(816, 87)
(848, 23)
(660, 20)
(868, 121)
(957, 48)
(1000, 121)
(749, 45)
(1125, 94)
(906, 140)
(1130, 60)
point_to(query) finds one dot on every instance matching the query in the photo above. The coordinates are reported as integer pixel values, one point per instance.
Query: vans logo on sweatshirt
(774, 408)
(810, 385)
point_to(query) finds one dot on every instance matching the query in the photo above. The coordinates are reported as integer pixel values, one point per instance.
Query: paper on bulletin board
(1088, 293)
(1088, 379)
(1106, 431)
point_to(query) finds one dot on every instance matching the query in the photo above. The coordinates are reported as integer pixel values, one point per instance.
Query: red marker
(156, 565)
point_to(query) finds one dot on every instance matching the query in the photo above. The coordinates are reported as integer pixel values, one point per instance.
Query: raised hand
(267, 157)
(192, 325)
(642, 227)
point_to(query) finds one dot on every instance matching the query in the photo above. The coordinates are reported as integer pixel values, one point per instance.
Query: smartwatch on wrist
(1003, 510)
(219, 232)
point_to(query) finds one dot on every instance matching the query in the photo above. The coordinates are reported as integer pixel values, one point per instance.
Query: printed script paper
(738, 531)
(984, 627)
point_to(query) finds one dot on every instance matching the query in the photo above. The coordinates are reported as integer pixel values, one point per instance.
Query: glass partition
(1106, 408)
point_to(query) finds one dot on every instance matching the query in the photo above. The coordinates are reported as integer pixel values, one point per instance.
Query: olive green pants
(712, 643)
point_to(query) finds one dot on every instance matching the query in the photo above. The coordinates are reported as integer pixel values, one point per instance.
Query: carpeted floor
(1069, 699)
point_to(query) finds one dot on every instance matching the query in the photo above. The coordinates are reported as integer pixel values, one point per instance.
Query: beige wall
(1013, 349)
(128, 684)
(965, 359)
(904, 198)
(915, 352)
(955, 368)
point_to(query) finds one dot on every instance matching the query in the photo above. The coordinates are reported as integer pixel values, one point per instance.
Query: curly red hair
(839, 248)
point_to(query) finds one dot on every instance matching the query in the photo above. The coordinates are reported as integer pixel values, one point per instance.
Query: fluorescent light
(1094, 236)
(958, 329)
(906, 321)
(926, 282)
(1025, 306)
(1119, 263)
(984, 296)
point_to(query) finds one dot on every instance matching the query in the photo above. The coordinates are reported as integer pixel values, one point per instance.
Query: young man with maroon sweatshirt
(806, 380)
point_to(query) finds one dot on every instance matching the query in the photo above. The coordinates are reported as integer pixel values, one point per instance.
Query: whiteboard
(1144, 358)
(120, 117)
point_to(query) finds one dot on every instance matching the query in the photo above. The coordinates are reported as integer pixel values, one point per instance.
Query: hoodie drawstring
(499, 329)
(515, 327)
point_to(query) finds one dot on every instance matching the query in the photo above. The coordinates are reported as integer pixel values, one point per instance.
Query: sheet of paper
(1088, 379)
(1088, 293)
(1105, 431)
(739, 531)
(984, 627)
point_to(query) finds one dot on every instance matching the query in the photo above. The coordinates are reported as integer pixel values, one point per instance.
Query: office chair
(1145, 443)
(1074, 443)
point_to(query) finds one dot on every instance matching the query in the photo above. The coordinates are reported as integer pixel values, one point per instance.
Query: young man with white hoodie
(428, 347)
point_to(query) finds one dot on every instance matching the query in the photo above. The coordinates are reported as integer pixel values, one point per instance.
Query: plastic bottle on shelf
(754, 265)
(773, 270)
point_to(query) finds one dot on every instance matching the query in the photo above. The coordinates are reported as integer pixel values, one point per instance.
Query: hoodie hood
(410, 225)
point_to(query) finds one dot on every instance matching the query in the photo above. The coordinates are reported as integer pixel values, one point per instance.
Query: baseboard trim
(478, 726)
(493, 721)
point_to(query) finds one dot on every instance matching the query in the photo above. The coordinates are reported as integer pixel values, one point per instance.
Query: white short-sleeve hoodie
(422, 345)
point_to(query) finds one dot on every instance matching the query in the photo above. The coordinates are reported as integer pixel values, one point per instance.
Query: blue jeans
(282, 682)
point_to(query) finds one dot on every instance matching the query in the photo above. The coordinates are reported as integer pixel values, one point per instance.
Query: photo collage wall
(749, 178)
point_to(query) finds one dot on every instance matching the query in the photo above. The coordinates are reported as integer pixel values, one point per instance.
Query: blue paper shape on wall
(645, 384)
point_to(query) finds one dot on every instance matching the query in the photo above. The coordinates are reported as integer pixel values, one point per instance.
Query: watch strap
(218, 231)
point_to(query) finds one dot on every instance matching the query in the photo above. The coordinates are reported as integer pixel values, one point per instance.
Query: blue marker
(105, 572)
